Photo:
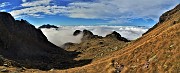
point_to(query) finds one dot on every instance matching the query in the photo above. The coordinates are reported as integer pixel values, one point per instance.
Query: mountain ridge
(156, 51)
(28, 47)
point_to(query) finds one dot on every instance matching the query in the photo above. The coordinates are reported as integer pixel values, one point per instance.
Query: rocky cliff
(23, 43)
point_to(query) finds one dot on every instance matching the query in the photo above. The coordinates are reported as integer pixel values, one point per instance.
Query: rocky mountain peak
(116, 35)
(86, 34)
(77, 32)
(48, 26)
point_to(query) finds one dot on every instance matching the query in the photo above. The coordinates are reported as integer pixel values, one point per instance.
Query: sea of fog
(64, 34)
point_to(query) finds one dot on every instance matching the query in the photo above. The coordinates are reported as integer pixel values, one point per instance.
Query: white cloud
(34, 8)
(65, 33)
(3, 10)
(61, 36)
(120, 9)
(35, 3)
(24, 0)
(34, 11)
(114, 11)
(4, 4)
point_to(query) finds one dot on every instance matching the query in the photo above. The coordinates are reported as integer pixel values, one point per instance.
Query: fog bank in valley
(64, 34)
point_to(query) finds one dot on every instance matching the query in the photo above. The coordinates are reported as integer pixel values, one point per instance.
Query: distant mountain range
(47, 26)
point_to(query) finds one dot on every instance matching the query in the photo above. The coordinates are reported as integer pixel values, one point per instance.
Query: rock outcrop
(166, 16)
(87, 35)
(77, 32)
(116, 35)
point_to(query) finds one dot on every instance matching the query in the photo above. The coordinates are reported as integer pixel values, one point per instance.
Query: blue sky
(88, 12)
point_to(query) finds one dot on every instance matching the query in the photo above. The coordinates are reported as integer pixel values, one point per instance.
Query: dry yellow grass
(157, 51)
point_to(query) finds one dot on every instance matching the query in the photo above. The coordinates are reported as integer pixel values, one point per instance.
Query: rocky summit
(77, 32)
(48, 26)
(116, 35)
(87, 35)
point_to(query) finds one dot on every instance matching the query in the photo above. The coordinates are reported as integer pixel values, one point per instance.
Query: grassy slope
(159, 48)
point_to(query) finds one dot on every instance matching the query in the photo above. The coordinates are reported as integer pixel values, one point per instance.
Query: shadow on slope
(22, 45)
